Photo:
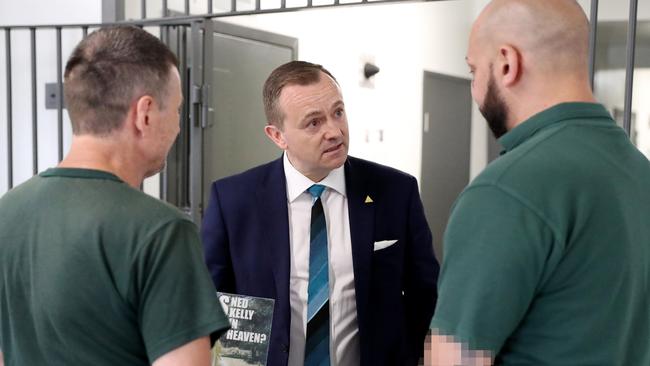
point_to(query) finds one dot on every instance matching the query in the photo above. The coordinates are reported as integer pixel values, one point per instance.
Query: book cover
(246, 343)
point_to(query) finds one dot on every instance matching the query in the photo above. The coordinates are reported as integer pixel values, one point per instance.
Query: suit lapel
(362, 228)
(272, 198)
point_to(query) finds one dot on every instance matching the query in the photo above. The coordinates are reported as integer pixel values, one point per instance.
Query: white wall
(611, 90)
(404, 40)
(36, 12)
(610, 84)
(642, 109)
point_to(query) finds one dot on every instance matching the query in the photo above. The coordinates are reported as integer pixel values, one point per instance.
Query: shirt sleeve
(496, 250)
(176, 300)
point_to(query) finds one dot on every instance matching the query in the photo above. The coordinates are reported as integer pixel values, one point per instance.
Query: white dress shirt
(344, 331)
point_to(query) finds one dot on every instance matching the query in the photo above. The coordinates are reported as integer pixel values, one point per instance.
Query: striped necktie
(317, 345)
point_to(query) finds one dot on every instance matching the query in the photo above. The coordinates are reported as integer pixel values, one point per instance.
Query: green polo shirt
(547, 252)
(94, 272)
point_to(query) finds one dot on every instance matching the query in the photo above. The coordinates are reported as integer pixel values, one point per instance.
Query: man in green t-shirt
(92, 270)
(547, 252)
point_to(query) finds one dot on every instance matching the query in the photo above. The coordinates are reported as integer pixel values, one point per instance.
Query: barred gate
(30, 70)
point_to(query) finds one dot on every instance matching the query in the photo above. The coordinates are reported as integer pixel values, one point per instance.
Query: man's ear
(509, 65)
(143, 108)
(275, 134)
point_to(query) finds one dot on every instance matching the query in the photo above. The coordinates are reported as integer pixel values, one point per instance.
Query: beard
(494, 110)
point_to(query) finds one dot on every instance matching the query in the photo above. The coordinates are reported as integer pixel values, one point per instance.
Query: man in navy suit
(378, 276)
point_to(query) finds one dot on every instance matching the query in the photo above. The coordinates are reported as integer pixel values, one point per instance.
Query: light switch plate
(52, 96)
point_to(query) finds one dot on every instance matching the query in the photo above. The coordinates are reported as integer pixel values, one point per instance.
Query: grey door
(447, 112)
(242, 60)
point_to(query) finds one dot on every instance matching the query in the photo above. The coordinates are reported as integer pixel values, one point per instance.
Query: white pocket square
(383, 244)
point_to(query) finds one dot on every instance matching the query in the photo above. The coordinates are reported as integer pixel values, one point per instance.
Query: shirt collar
(558, 113)
(79, 173)
(297, 183)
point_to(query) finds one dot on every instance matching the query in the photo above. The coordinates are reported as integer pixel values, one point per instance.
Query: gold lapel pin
(368, 200)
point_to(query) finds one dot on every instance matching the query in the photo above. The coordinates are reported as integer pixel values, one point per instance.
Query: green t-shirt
(547, 252)
(94, 272)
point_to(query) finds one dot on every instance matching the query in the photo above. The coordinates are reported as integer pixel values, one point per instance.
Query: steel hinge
(196, 95)
(199, 96)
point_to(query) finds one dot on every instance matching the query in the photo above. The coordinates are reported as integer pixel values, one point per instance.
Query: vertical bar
(258, 4)
(209, 6)
(10, 158)
(59, 81)
(206, 99)
(593, 24)
(309, 3)
(187, 7)
(629, 73)
(196, 132)
(182, 163)
(162, 184)
(162, 178)
(32, 43)
(233, 6)
(143, 9)
(165, 9)
(84, 31)
(283, 4)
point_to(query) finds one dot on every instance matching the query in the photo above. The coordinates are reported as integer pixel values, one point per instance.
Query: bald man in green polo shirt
(547, 252)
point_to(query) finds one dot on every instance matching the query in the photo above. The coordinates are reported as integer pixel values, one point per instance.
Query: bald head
(527, 55)
(553, 34)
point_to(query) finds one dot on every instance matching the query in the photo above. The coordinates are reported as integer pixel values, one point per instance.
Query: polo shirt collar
(297, 183)
(79, 173)
(558, 113)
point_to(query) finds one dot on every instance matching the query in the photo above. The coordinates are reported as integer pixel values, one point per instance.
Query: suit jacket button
(285, 348)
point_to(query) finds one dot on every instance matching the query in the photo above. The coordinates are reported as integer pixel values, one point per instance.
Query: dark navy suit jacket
(246, 239)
